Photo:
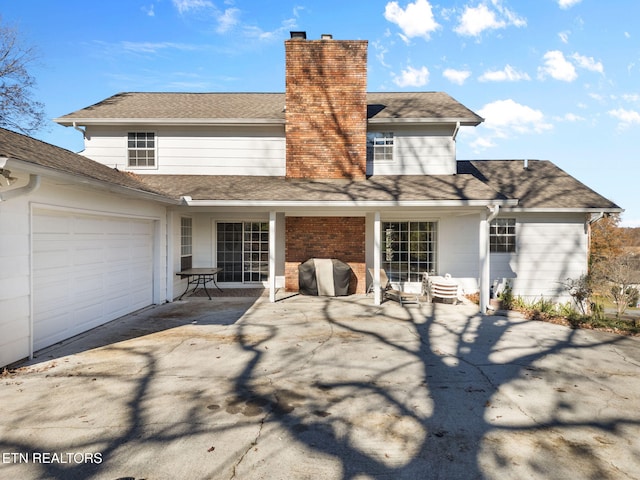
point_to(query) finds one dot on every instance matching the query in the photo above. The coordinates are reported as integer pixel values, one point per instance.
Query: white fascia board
(168, 121)
(433, 121)
(345, 204)
(560, 210)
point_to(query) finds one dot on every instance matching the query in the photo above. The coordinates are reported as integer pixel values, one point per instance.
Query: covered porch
(264, 245)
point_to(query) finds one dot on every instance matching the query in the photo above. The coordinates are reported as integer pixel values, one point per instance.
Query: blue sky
(554, 79)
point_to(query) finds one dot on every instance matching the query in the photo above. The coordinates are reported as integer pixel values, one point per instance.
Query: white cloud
(557, 67)
(149, 11)
(381, 50)
(564, 37)
(506, 119)
(626, 117)
(571, 117)
(475, 20)
(256, 32)
(504, 116)
(588, 63)
(631, 97)
(412, 77)
(416, 20)
(482, 143)
(156, 47)
(456, 76)
(184, 6)
(508, 74)
(565, 4)
(227, 20)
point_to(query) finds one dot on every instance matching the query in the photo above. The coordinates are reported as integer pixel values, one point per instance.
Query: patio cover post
(486, 218)
(272, 256)
(377, 245)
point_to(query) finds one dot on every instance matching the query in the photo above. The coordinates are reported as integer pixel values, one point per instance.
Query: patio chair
(389, 292)
(444, 288)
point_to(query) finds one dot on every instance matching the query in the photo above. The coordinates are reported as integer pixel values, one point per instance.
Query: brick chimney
(326, 107)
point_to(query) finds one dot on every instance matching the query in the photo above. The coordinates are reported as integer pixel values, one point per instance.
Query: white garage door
(87, 270)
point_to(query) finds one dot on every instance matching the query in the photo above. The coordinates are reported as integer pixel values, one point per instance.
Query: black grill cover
(308, 283)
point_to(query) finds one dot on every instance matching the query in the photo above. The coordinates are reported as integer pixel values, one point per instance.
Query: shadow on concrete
(458, 437)
(153, 319)
(384, 392)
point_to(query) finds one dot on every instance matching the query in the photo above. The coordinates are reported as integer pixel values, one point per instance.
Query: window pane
(409, 250)
(141, 149)
(243, 251)
(502, 235)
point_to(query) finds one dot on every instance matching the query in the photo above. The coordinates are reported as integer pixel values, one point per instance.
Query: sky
(554, 80)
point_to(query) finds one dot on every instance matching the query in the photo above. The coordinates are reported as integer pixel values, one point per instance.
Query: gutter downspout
(455, 131)
(83, 132)
(485, 257)
(495, 209)
(32, 186)
(587, 230)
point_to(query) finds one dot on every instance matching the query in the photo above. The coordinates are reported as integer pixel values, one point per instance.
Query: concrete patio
(331, 388)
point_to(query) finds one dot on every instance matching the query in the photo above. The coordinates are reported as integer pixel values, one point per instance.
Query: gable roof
(165, 107)
(46, 157)
(542, 185)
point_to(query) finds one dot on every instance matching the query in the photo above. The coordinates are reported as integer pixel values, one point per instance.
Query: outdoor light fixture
(5, 177)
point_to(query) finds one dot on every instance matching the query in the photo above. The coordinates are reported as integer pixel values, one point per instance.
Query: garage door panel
(88, 270)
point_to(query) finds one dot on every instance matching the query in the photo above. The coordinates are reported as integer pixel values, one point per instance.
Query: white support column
(485, 273)
(170, 225)
(486, 218)
(272, 256)
(377, 255)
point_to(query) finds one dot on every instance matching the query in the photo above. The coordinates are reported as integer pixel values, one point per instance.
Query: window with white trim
(141, 149)
(380, 146)
(186, 243)
(243, 251)
(502, 235)
(409, 249)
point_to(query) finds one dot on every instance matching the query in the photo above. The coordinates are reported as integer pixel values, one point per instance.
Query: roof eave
(469, 122)
(186, 200)
(54, 173)
(79, 121)
(519, 209)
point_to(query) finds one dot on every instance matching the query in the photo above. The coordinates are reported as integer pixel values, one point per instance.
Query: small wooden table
(199, 276)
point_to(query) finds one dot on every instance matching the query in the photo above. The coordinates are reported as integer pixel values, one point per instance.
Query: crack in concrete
(251, 446)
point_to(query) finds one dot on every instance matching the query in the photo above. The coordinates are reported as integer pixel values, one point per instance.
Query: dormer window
(141, 149)
(380, 146)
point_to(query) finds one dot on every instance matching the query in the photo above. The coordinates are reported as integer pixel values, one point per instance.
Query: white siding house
(258, 183)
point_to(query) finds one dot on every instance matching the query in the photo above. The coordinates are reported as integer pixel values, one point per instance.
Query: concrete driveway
(324, 388)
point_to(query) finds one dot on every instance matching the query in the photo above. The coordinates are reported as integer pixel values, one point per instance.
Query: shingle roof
(383, 188)
(260, 106)
(541, 185)
(29, 150)
(417, 105)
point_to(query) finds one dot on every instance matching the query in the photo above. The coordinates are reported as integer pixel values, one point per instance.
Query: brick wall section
(326, 108)
(342, 238)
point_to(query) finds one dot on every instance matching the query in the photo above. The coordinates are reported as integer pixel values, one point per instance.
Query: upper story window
(502, 235)
(380, 146)
(141, 149)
